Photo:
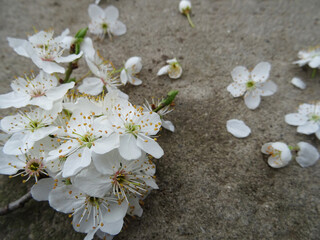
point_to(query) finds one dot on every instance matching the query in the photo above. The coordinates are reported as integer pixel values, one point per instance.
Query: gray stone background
(212, 185)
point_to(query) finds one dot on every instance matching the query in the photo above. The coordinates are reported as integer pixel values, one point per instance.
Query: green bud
(168, 100)
(81, 33)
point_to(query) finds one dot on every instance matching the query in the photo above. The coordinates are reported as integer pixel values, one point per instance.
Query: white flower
(134, 129)
(238, 128)
(114, 174)
(163, 111)
(252, 84)
(174, 69)
(89, 213)
(30, 164)
(41, 91)
(297, 82)
(84, 135)
(280, 154)
(310, 57)
(27, 128)
(307, 119)
(103, 72)
(44, 50)
(184, 5)
(105, 21)
(308, 155)
(132, 66)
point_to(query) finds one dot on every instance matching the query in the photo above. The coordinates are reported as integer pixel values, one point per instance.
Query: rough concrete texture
(212, 185)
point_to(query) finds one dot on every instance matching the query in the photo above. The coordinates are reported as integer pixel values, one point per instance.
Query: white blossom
(280, 154)
(310, 57)
(42, 91)
(132, 67)
(44, 50)
(103, 71)
(114, 174)
(105, 21)
(89, 213)
(308, 155)
(84, 135)
(27, 128)
(134, 130)
(252, 84)
(238, 128)
(307, 119)
(173, 69)
(30, 164)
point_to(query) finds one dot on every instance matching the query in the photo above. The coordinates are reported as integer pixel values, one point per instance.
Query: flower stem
(314, 72)
(189, 20)
(16, 204)
(68, 73)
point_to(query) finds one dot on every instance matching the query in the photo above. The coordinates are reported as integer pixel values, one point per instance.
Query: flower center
(133, 129)
(94, 201)
(87, 140)
(34, 167)
(104, 26)
(250, 85)
(315, 118)
(34, 125)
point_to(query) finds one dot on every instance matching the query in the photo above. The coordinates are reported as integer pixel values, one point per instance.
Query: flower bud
(184, 6)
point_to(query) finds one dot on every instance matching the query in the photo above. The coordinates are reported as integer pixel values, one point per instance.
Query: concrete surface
(212, 185)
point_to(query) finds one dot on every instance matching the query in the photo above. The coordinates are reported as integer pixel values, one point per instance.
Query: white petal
(236, 89)
(318, 134)
(91, 232)
(48, 67)
(261, 72)
(92, 86)
(267, 148)
(13, 99)
(87, 48)
(18, 46)
(17, 144)
(128, 147)
(41, 190)
(163, 70)
(315, 62)
(167, 125)
(111, 13)
(238, 128)
(134, 63)
(298, 83)
(92, 182)
(286, 155)
(123, 77)
(276, 162)
(58, 92)
(252, 99)
(95, 12)
(308, 128)
(63, 199)
(9, 164)
(240, 74)
(149, 146)
(42, 102)
(135, 81)
(76, 162)
(308, 155)
(106, 144)
(296, 119)
(268, 88)
(118, 28)
(176, 72)
(105, 163)
(301, 62)
(112, 228)
(69, 58)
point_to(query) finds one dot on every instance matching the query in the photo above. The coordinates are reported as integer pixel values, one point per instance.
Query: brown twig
(19, 203)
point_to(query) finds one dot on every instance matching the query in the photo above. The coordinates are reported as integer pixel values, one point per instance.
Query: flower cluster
(87, 147)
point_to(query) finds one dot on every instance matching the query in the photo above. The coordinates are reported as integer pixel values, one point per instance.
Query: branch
(16, 204)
